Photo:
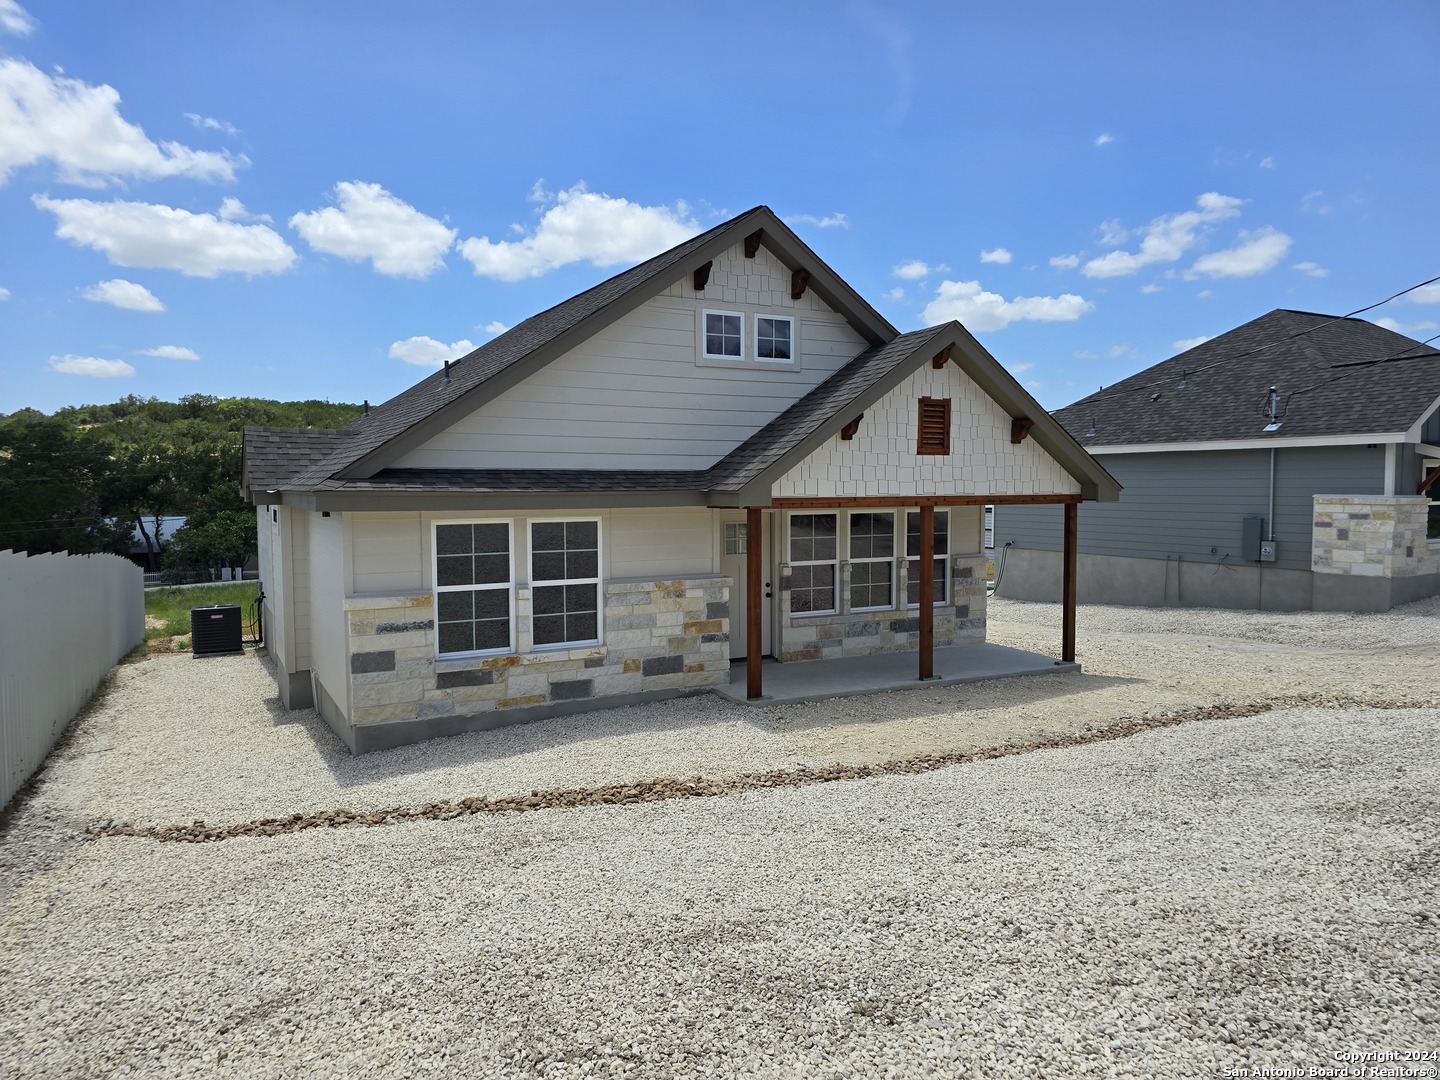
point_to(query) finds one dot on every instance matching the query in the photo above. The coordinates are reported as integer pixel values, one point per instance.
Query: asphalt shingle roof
(1333, 376)
(273, 455)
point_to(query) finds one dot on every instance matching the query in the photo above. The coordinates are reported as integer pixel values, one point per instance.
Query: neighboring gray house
(1318, 496)
(722, 453)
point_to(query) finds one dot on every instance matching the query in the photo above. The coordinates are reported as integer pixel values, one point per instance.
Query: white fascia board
(1250, 444)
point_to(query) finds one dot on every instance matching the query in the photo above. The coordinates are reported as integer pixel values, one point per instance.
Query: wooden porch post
(927, 592)
(754, 545)
(1072, 533)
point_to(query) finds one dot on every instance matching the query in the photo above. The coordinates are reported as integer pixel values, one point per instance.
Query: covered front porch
(812, 680)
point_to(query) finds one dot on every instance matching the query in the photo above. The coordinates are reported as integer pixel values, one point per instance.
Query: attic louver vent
(934, 426)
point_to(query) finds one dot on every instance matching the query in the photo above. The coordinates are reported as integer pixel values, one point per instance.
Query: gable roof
(370, 443)
(1333, 377)
(743, 476)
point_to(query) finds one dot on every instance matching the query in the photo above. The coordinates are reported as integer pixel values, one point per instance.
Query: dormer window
(774, 339)
(724, 335)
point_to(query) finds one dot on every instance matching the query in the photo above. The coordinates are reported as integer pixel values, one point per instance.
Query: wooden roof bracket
(798, 281)
(702, 276)
(1430, 479)
(939, 360)
(1019, 428)
(848, 431)
(752, 243)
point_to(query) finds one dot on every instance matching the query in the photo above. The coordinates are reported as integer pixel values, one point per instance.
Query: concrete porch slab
(812, 680)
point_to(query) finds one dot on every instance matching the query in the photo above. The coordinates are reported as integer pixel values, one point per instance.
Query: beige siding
(661, 543)
(881, 458)
(388, 554)
(298, 582)
(326, 630)
(636, 395)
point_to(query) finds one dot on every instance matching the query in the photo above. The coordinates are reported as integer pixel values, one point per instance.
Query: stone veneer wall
(825, 637)
(1371, 536)
(660, 636)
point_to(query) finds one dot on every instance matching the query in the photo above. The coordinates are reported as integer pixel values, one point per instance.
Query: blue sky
(322, 200)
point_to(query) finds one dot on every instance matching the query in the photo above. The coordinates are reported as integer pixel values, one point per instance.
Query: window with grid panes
(724, 335)
(774, 338)
(565, 582)
(912, 550)
(473, 587)
(872, 560)
(814, 563)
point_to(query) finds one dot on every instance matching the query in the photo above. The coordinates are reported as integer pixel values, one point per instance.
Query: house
(1289, 464)
(721, 453)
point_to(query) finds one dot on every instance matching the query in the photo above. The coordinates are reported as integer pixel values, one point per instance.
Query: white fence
(64, 622)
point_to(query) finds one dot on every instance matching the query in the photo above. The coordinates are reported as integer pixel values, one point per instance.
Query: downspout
(1269, 528)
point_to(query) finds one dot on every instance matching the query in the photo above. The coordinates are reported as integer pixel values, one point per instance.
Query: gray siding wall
(325, 623)
(1186, 503)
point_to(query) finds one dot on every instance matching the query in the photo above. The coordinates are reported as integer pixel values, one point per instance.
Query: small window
(565, 582)
(934, 437)
(872, 561)
(1432, 531)
(774, 339)
(912, 550)
(735, 538)
(473, 582)
(814, 565)
(724, 333)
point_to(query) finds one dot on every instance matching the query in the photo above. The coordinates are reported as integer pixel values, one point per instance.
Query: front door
(734, 545)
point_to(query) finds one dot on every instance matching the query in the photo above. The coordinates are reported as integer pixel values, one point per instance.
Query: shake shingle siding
(1186, 503)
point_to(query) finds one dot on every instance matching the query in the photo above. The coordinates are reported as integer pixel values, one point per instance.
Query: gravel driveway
(1224, 893)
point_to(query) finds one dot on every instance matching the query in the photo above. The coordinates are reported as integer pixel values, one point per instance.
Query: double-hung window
(474, 582)
(724, 335)
(774, 339)
(912, 551)
(814, 563)
(1432, 531)
(565, 582)
(872, 561)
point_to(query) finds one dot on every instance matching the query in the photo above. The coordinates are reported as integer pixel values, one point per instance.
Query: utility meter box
(1252, 530)
(1268, 550)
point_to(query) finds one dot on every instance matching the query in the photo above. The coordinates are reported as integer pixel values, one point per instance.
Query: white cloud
(427, 352)
(1188, 343)
(1102, 140)
(1256, 253)
(1020, 369)
(1426, 294)
(16, 20)
(1166, 238)
(209, 123)
(1313, 269)
(232, 209)
(495, 327)
(1411, 329)
(171, 352)
(1314, 203)
(996, 255)
(123, 294)
(1120, 352)
(915, 270)
(968, 303)
(370, 223)
(1267, 163)
(1065, 262)
(4, 293)
(1113, 232)
(162, 237)
(829, 221)
(1205, 294)
(79, 129)
(90, 365)
(1150, 289)
(582, 226)
(896, 293)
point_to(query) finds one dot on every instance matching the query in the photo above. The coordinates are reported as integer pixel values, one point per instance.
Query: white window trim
(835, 562)
(945, 559)
(889, 560)
(437, 588)
(705, 337)
(1426, 464)
(755, 338)
(598, 581)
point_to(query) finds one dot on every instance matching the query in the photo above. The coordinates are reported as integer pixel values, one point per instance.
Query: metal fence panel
(65, 620)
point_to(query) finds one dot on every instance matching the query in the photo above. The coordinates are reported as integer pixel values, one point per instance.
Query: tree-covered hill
(86, 477)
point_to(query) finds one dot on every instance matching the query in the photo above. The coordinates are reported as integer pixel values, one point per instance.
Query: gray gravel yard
(1223, 893)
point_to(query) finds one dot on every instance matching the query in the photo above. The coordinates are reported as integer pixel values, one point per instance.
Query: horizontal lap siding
(328, 637)
(387, 553)
(1186, 503)
(634, 395)
(661, 543)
